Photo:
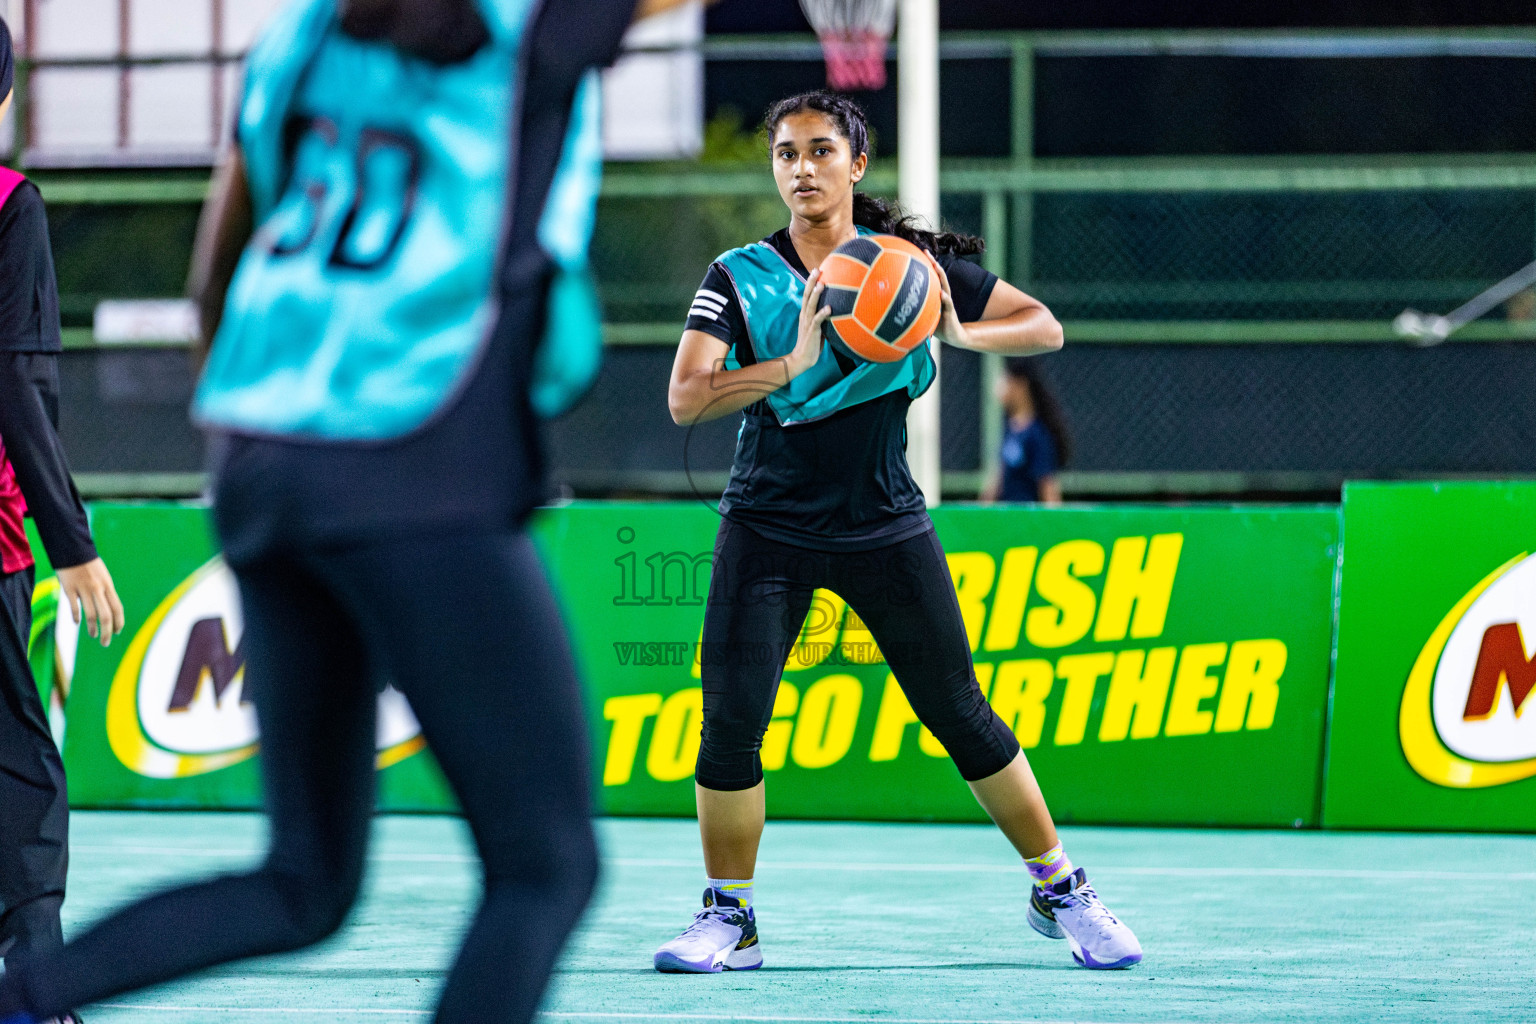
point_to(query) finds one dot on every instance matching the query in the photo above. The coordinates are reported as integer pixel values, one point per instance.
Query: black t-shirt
(840, 483)
(29, 300)
(478, 464)
(29, 379)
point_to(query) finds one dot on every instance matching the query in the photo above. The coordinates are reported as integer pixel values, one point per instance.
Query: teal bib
(380, 187)
(770, 292)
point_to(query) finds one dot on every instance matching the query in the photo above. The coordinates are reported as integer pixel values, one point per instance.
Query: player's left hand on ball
(89, 591)
(950, 328)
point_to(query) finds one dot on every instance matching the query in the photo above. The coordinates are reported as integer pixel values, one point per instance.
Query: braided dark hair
(880, 215)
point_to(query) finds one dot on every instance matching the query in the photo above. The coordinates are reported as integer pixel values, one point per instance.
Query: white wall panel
(243, 19)
(78, 28)
(158, 28)
(170, 108)
(653, 103)
(75, 109)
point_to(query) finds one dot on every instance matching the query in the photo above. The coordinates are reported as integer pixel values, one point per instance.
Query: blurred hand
(812, 315)
(89, 591)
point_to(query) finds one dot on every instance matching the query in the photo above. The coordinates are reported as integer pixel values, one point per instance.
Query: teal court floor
(902, 924)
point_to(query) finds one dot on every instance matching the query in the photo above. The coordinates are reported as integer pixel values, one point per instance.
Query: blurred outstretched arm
(222, 231)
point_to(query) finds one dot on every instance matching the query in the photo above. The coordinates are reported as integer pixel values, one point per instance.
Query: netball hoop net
(853, 34)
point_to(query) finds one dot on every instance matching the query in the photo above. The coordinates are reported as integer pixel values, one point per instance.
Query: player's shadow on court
(928, 967)
(841, 968)
(325, 973)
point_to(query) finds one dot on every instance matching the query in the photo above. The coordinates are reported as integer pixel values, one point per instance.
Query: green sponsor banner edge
(1259, 577)
(1412, 552)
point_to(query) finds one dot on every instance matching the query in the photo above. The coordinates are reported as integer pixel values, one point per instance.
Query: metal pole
(216, 69)
(994, 228)
(124, 74)
(23, 103)
(917, 91)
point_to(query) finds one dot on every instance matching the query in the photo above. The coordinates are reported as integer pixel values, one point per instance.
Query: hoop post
(917, 134)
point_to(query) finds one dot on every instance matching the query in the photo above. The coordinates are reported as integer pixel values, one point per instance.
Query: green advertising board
(42, 653)
(1158, 665)
(1436, 659)
(160, 718)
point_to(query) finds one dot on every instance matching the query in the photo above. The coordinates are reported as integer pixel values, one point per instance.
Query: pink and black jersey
(15, 553)
(34, 476)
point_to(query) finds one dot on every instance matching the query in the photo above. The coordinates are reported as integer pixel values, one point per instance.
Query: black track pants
(759, 593)
(466, 627)
(34, 808)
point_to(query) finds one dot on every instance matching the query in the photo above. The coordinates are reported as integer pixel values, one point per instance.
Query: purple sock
(1050, 867)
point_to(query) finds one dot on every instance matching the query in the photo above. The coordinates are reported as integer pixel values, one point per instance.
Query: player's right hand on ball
(812, 315)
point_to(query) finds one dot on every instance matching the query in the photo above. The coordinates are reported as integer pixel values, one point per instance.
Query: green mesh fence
(1272, 256)
(1141, 256)
(651, 253)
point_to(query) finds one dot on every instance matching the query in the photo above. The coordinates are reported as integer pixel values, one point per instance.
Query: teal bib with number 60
(380, 189)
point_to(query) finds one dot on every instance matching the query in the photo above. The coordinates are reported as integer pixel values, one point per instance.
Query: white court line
(868, 1018)
(314, 1011)
(592, 1015)
(1384, 874)
(162, 851)
(190, 851)
(1100, 869)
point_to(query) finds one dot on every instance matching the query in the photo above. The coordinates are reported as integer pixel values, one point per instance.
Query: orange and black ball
(884, 298)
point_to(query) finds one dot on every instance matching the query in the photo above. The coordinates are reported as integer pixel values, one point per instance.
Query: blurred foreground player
(421, 178)
(34, 477)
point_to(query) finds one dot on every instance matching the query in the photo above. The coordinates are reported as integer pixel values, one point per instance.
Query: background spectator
(1036, 444)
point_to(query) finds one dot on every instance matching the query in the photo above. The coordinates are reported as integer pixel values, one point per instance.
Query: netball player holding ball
(821, 496)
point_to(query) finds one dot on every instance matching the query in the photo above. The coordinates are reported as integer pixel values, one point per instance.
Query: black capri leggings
(759, 593)
(467, 629)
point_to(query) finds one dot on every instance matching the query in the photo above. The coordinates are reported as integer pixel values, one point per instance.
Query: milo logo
(1467, 718)
(179, 704)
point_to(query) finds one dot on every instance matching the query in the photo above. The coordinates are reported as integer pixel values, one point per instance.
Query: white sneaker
(723, 937)
(1071, 910)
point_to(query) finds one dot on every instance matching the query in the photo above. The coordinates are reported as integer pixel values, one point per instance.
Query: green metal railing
(1032, 210)
(1009, 191)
